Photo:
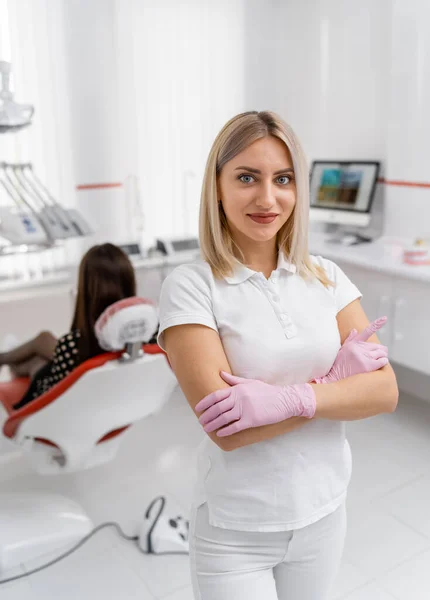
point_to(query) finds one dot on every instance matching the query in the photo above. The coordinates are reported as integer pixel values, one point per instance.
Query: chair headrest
(127, 321)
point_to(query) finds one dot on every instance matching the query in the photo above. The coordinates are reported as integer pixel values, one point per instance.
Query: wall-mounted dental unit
(13, 116)
(31, 219)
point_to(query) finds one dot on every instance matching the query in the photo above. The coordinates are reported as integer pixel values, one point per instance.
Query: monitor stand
(336, 234)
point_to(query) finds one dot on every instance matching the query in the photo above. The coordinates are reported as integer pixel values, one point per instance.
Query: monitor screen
(185, 244)
(341, 185)
(131, 249)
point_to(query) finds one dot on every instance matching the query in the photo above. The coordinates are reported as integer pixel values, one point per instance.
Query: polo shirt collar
(242, 273)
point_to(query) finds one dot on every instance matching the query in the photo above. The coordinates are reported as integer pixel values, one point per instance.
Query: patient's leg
(28, 368)
(42, 347)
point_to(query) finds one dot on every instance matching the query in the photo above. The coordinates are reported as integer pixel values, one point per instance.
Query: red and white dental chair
(80, 423)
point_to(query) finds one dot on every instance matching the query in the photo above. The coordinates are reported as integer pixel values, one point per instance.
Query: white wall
(147, 84)
(98, 132)
(126, 88)
(151, 84)
(353, 79)
(325, 65)
(35, 46)
(408, 115)
(189, 80)
(32, 39)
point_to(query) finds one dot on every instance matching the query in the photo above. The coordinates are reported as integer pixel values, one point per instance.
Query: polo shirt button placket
(273, 292)
(287, 325)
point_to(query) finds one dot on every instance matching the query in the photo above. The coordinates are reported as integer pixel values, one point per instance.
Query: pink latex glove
(252, 403)
(358, 356)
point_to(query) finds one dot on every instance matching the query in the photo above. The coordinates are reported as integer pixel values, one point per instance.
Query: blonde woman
(264, 341)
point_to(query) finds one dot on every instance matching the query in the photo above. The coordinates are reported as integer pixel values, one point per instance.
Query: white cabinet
(406, 303)
(26, 314)
(411, 341)
(378, 293)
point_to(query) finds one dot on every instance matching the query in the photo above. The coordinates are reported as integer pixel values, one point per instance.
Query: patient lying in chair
(105, 276)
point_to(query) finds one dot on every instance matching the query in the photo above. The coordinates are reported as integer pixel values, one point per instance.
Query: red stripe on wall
(97, 186)
(404, 183)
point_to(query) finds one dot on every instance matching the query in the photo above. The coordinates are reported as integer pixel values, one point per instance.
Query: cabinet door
(377, 300)
(24, 314)
(411, 340)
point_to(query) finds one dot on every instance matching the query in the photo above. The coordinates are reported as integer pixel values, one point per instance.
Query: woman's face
(257, 190)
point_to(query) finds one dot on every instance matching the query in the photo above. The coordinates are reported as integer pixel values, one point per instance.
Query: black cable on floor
(132, 538)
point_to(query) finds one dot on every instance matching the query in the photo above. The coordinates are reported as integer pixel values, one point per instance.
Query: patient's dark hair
(105, 276)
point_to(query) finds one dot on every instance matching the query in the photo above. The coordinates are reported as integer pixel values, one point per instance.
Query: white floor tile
(377, 542)
(13, 572)
(411, 580)
(371, 592)
(349, 579)
(184, 594)
(380, 462)
(102, 541)
(410, 504)
(96, 570)
(16, 591)
(163, 575)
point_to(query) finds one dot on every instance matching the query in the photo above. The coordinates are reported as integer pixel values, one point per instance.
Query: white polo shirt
(282, 331)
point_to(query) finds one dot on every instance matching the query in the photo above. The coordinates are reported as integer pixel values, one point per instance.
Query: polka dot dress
(65, 359)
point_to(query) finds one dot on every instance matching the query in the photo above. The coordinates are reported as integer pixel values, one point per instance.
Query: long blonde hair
(216, 243)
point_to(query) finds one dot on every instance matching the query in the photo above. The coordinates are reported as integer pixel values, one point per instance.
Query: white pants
(281, 565)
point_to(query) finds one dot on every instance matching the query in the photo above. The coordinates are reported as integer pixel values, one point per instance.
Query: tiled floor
(387, 553)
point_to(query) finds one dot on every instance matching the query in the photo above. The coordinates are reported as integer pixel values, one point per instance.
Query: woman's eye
(246, 178)
(284, 179)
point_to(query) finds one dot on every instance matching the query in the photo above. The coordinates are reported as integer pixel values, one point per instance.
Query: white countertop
(67, 276)
(54, 279)
(384, 255)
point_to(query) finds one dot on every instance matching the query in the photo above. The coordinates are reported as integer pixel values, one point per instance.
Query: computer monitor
(342, 192)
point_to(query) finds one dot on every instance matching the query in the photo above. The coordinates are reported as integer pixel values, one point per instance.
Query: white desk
(384, 256)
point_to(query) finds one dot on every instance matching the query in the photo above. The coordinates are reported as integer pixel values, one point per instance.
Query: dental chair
(79, 424)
